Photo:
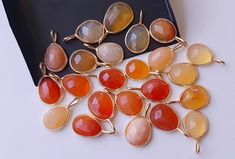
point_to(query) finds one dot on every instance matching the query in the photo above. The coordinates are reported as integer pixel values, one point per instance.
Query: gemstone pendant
(55, 58)
(90, 31)
(110, 53)
(196, 126)
(137, 38)
(129, 103)
(77, 85)
(199, 54)
(164, 118)
(118, 16)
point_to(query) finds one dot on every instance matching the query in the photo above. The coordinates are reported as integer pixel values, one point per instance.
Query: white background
(22, 135)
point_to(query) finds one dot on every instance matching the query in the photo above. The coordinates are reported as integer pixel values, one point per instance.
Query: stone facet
(112, 79)
(200, 54)
(162, 30)
(55, 58)
(86, 126)
(195, 124)
(56, 118)
(82, 61)
(138, 132)
(77, 85)
(49, 90)
(110, 53)
(129, 103)
(137, 70)
(155, 90)
(160, 58)
(183, 74)
(101, 105)
(164, 118)
(137, 38)
(118, 17)
(195, 97)
(90, 31)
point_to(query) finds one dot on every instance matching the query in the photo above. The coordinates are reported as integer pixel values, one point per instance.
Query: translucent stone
(56, 118)
(82, 61)
(55, 58)
(137, 38)
(164, 118)
(200, 54)
(137, 70)
(118, 17)
(195, 124)
(129, 103)
(110, 53)
(162, 30)
(160, 58)
(101, 105)
(138, 132)
(77, 85)
(183, 74)
(90, 31)
(195, 97)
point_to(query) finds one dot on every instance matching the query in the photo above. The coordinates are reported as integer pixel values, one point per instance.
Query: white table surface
(22, 135)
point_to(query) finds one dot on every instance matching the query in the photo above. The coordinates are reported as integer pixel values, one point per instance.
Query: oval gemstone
(195, 97)
(155, 90)
(129, 103)
(82, 61)
(112, 79)
(138, 132)
(77, 85)
(183, 74)
(200, 54)
(137, 70)
(90, 31)
(55, 58)
(110, 53)
(137, 38)
(160, 58)
(56, 118)
(162, 30)
(86, 126)
(118, 17)
(195, 124)
(100, 105)
(49, 90)
(164, 118)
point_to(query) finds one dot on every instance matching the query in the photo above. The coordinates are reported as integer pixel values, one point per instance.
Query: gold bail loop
(43, 68)
(197, 146)
(147, 110)
(71, 37)
(172, 102)
(113, 129)
(74, 102)
(181, 43)
(53, 36)
(133, 89)
(141, 17)
(104, 64)
(55, 76)
(89, 46)
(103, 37)
(219, 61)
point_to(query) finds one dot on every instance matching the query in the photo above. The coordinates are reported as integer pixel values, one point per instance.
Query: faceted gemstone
(83, 61)
(112, 79)
(160, 58)
(195, 97)
(118, 17)
(110, 53)
(137, 70)
(195, 124)
(137, 38)
(200, 54)
(183, 74)
(56, 118)
(164, 118)
(77, 85)
(155, 90)
(162, 30)
(138, 132)
(86, 126)
(129, 103)
(101, 105)
(90, 31)
(55, 58)
(49, 90)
